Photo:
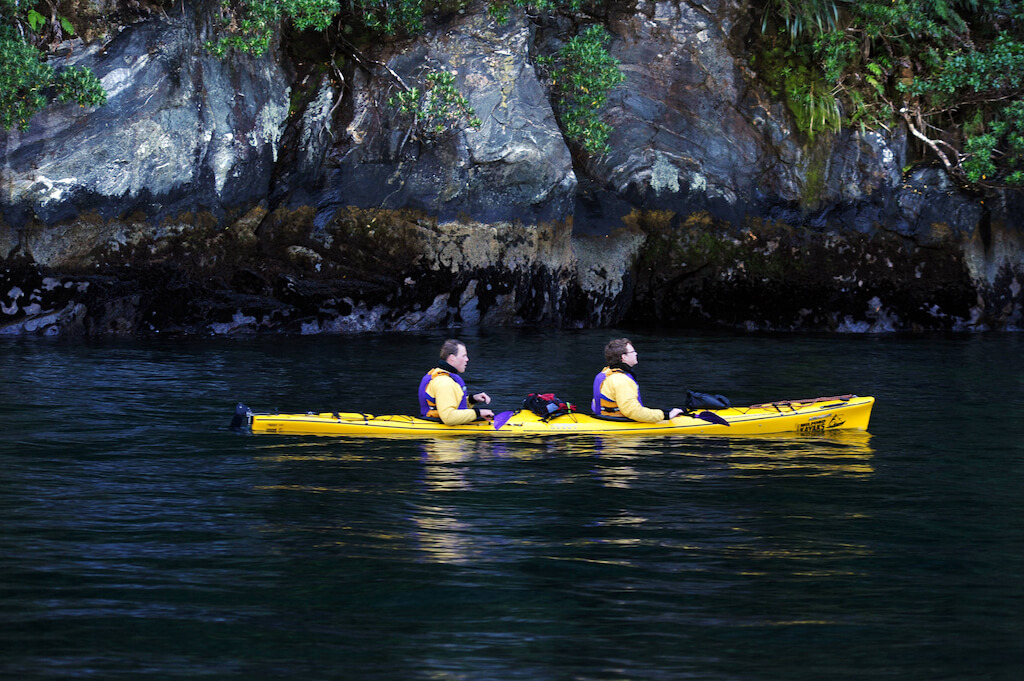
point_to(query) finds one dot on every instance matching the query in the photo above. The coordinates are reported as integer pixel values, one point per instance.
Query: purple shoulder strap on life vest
(424, 407)
(595, 401)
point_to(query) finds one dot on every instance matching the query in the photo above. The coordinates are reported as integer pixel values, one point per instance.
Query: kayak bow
(810, 416)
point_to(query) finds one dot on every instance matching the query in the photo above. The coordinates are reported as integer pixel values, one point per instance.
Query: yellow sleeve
(627, 395)
(448, 395)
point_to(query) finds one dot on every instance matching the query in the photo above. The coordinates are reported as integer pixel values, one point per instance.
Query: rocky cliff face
(215, 196)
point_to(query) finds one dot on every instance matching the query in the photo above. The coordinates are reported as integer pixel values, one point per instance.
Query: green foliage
(832, 50)
(249, 25)
(999, 147)
(499, 9)
(23, 78)
(1000, 67)
(795, 77)
(437, 108)
(801, 16)
(813, 105)
(583, 73)
(945, 68)
(35, 20)
(27, 83)
(393, 17)
(315, 14)
(80, 84)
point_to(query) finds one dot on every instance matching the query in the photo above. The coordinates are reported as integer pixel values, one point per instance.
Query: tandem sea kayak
(809, 416)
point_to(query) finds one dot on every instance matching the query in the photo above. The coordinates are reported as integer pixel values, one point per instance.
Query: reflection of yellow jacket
(621, 389)
(448, 394)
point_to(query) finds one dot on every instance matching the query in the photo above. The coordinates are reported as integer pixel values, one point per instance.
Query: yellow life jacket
(428, 403)
(603, 405)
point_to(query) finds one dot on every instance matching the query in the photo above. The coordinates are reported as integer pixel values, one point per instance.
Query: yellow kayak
(809, 416)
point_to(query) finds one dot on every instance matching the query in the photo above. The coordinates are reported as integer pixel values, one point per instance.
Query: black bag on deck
(698, 400)
(547, 405)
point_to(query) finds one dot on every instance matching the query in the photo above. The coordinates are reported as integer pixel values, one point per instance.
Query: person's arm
(626, 395)
(448, 395)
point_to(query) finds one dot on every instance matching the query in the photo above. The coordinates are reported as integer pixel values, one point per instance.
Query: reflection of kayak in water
(839, 452)
(810, 416)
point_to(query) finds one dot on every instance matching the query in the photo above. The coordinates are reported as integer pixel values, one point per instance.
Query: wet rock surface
(261, 195)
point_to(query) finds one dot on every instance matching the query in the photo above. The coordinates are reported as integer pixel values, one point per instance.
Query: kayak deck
(810, 416)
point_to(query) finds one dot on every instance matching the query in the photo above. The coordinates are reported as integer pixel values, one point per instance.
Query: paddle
(350, 415)
(239, 419)
(711, 417)
(502, 418)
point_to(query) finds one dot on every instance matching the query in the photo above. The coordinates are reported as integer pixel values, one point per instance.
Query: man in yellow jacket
(443, 393)
(616, 390)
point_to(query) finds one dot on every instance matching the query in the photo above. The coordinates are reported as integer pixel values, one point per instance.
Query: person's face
(629, 358)
(459, 360)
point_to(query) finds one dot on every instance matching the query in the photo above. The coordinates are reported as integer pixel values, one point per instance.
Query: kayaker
(443, 393)
(616, 390)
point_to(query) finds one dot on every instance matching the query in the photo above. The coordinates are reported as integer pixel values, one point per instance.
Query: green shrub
(998, 148)
(436, 109)
(80, 84)
(27, 83)
(499, 9)
(946, 69)
(965, 70)
(582, 74)
(23, 78)
(249, 25)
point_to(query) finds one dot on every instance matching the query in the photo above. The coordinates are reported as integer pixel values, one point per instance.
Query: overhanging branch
(952, 168)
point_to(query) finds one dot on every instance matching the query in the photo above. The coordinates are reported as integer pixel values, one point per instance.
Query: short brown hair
(615, 349)
(450, 347)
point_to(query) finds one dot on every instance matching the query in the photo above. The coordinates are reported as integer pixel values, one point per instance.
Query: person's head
(620, 350)
(454, 352)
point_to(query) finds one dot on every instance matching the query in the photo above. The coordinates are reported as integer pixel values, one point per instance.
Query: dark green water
(141, 538)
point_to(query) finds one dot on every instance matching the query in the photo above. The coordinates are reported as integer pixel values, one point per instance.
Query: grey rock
(181, 131)
(248, 195)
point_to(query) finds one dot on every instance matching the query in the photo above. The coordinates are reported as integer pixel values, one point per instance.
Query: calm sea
(140, 538)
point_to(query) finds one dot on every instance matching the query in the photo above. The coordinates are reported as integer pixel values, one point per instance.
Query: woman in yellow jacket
(616, 391)
(443, 393)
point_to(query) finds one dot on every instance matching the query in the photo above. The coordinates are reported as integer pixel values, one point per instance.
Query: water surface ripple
(142, 538)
